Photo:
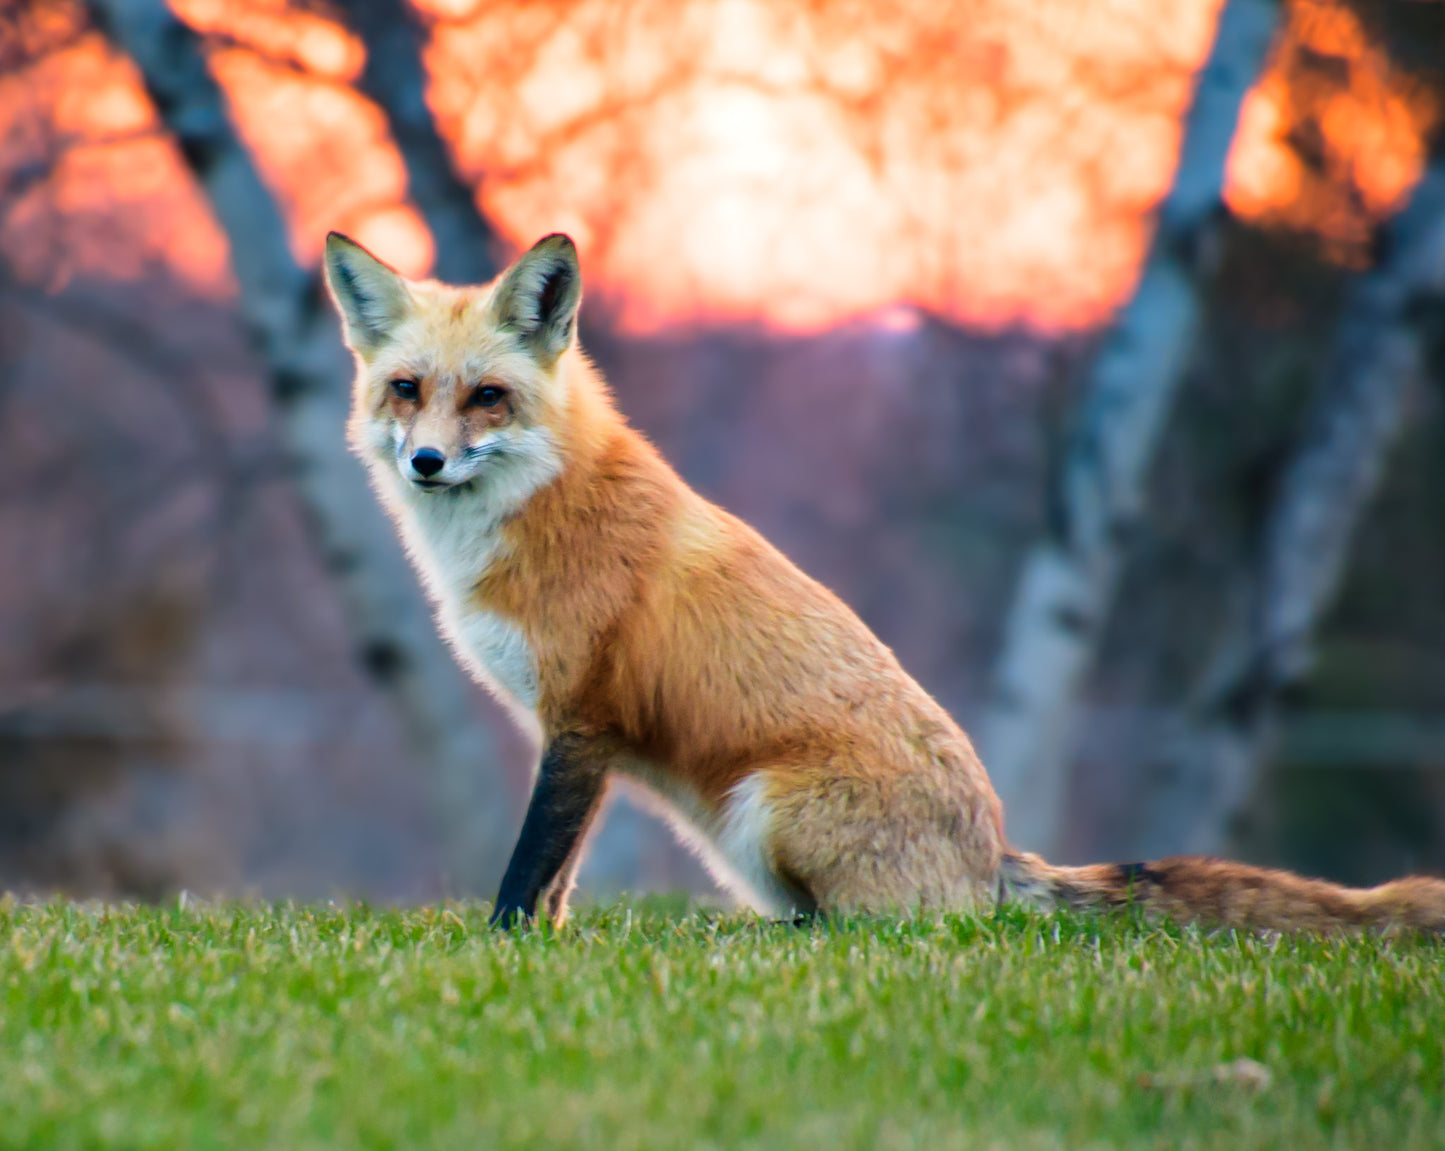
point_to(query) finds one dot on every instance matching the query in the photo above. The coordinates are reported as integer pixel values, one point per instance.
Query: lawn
(644, 1025)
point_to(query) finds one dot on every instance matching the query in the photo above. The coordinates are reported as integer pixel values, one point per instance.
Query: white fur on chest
(499, 655)
(454, 540)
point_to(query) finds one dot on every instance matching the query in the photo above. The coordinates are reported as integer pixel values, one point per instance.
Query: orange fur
(583, 580)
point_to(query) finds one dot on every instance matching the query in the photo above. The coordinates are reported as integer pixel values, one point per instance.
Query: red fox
(640, 630)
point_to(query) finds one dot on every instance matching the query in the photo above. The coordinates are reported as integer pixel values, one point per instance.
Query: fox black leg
(555, 895)
(569, 791)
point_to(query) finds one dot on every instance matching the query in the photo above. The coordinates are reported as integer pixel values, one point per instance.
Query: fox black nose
(427, 462)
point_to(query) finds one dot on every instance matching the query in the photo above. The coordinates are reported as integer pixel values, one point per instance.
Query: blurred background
(1095, 354)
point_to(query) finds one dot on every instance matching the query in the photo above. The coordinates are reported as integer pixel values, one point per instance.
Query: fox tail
(1217, 893)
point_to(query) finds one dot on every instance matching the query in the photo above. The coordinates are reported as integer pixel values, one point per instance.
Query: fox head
(458, 389)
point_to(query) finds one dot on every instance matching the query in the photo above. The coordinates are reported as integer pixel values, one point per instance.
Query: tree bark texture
(1067, 585)
(298, 338)
(1378, 358)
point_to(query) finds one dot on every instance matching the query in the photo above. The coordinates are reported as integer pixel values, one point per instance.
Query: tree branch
(1377, 360)
(395, 80)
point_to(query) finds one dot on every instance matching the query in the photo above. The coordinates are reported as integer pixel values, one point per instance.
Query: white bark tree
(1067, 586)
(299, 342)
(1377, 360)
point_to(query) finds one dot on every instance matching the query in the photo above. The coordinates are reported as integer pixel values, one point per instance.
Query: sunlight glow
(1371, 131)
(95, 187)
(787, 163)
(792, 165)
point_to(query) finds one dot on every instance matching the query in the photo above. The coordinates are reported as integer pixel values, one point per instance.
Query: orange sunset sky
(788, 163)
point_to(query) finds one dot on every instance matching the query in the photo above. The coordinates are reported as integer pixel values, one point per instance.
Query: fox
(640, 632)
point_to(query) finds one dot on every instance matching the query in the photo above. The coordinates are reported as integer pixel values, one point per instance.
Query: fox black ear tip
(338, 243)
(556, 240)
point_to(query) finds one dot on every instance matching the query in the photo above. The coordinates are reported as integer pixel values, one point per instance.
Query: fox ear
(539, 296)
(370, 295)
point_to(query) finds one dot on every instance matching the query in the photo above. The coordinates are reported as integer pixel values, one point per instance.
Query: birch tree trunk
(395, 80)
(298, 339)
(1377, 360)
(1067, 586)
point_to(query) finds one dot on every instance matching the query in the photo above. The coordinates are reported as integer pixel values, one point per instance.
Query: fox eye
(405, 389)
(485, 397)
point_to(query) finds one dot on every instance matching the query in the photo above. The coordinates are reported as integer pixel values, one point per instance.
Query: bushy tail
(1217, 893)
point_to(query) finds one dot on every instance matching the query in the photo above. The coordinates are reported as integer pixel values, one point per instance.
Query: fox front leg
(569, 792)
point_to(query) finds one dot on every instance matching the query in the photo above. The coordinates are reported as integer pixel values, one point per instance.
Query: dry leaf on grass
(1242, 1072)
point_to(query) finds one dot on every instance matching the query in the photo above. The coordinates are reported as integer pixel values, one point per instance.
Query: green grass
(642, 1026)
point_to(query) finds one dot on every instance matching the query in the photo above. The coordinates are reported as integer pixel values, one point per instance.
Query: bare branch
(395, 79)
